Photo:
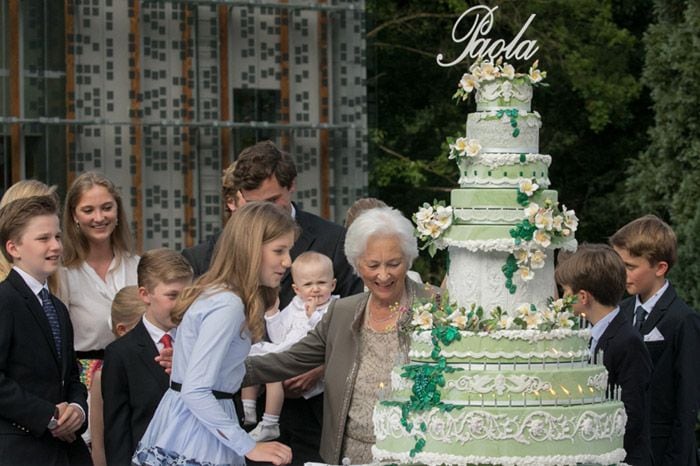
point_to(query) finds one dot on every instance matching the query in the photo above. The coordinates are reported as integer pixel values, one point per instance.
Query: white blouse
(89, 299)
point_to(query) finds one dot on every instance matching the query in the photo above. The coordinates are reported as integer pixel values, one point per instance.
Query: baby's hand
(310, 306)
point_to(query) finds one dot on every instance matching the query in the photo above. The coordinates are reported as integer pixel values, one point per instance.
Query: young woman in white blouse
(97, 261)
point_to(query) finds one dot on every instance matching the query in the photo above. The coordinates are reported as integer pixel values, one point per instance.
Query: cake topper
(479, 46)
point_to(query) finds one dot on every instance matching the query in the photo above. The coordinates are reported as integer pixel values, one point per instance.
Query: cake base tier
(505, 436)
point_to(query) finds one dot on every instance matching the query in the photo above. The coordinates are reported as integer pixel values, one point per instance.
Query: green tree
(594, 112)
(665, 179)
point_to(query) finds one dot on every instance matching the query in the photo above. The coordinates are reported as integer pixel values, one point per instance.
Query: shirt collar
(31, 282)
(294, 211)
(651, 302)
(154, 332)
(602, 325)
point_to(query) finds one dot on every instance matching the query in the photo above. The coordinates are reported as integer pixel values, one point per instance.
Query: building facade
(161, 95)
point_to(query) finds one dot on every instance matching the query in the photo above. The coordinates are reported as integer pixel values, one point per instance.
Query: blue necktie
(640, 314)
(52, 316)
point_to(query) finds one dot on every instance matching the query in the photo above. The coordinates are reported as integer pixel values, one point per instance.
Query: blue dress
(191, 427)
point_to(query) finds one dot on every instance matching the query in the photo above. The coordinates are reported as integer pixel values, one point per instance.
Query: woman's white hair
(380, 222)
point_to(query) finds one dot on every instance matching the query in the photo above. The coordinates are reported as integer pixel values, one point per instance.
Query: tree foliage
(665, 179)
(594, 112)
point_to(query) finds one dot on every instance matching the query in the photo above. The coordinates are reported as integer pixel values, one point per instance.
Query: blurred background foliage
(619, 116)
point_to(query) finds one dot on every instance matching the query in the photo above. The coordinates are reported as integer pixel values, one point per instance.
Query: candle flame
(553, 392)
(381, 385)
(565, 390)
(580, 389)
(537, 393)
(591, 389)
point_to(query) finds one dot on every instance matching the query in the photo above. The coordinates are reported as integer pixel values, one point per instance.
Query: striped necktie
(52, 316)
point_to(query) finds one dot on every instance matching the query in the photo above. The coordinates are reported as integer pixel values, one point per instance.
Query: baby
(313, 283)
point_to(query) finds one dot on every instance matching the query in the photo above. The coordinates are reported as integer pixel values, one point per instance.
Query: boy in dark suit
(595, 275)
(671, 332)
(43, 405)
(132, 381)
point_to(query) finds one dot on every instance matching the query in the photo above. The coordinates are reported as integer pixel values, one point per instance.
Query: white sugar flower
(543, 220)
(423, 320)
(523, 310)
(505, 322)
(537, 259)
(548, 315)
(528, 187)
(489, 72)
(475, 70)
(521, 256)
(570, 219)
(508, 71)
(542, 238)
(468, 83)
(472, 148)
(443, 217)
(433, 229)
(424, 213)
(531, 210)
(533, 320)
(525, 273)
(564, 320)
(458, 319)
(536, 75)
(557, 305)
(557, 222)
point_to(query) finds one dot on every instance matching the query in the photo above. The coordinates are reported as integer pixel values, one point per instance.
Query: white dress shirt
(89, 299)
(156, 334)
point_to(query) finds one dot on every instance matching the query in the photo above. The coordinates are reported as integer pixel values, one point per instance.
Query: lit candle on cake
(554, 394)
(580, 391)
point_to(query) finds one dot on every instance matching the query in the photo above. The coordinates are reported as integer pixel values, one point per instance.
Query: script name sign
(479, 46)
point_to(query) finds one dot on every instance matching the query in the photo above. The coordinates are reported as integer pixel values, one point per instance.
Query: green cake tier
(507, 346)
(498, 198)
(502, 134)
(561, 384)
(503, 435)
(480, 171)
(503, 93)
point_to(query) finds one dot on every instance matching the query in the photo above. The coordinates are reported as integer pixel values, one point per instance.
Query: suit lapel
(659, 310)
(147, 351)
(37, 312)
(609, 333)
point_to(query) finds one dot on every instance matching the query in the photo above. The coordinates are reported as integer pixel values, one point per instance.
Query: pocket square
(654, 335)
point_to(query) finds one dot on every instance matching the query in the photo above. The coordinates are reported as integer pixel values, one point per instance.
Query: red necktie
(167, 341)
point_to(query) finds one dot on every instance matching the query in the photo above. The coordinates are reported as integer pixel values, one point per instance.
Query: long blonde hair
(75, 244)
(22, 190)
(236, 264)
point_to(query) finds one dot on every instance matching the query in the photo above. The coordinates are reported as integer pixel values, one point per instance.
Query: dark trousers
(300, 428)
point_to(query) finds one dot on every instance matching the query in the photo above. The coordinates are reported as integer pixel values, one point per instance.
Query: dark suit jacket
(132, 386)
(33, 380)
(675, 380)
(317, 235)
(629, 366)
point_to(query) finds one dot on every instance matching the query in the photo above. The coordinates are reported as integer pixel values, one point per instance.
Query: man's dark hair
(260, 161)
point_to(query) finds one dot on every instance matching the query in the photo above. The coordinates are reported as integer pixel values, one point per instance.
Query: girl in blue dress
(196, 422)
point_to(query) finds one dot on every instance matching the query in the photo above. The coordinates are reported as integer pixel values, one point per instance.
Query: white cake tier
(503, 93)
(477, 278)
(497, 134)
(503, 170)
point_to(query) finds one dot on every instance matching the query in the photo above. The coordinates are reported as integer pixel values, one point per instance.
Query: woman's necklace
(383, 324)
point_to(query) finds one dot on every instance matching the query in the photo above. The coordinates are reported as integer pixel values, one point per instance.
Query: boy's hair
(16, 215)
(127, 307)
(359, 206)
(648, 237)
(162, 266)
(229, 189)
(312, 258)
(28, 188)
(595, 268)
(260, 161)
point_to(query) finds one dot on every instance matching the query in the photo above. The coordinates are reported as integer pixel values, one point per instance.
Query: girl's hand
(271, 452)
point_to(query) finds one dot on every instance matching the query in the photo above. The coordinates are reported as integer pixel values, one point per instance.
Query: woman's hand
(165, 359)
(297, 386)
(270, 452)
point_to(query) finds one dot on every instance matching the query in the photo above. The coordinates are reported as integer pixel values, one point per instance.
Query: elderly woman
(359, 339)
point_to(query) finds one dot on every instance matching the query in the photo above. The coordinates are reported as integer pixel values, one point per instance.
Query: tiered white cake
(500, 373)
